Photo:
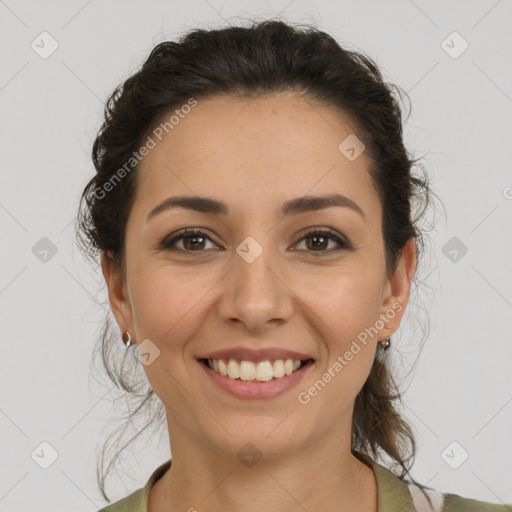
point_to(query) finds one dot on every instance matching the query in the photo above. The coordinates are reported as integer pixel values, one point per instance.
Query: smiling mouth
(262, 371)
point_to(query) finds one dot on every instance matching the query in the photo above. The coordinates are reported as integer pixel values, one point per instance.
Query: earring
(127, 338)
(385, 343)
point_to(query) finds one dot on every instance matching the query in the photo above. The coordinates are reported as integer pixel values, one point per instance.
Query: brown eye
(193, 241)
(319, 241)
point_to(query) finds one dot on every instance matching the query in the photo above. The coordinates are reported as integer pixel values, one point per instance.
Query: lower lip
(256, 390)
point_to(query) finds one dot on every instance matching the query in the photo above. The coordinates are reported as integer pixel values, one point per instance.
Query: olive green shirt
(393, 495)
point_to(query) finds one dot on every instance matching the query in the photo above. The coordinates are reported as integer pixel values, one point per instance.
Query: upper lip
(255, 355)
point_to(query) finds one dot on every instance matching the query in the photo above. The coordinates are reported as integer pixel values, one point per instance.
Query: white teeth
(233, 369)
(262, 371)
(279, 368)
(223, 367)
(247, 370)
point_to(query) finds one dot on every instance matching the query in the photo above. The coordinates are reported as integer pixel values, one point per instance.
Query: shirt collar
(392, 493)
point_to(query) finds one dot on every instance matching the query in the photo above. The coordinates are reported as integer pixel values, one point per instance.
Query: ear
(119, 302)
(397, 290)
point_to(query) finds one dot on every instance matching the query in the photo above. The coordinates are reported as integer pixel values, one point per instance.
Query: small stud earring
(127, 338)
(385, 343)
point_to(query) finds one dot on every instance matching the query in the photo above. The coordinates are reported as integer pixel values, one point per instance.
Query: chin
(268, 439)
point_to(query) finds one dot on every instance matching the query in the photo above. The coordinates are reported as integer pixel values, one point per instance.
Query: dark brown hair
(260, 60)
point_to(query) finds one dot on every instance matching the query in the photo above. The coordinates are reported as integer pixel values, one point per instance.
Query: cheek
(165, 305)
(346, 307)
(347, 314)
(345, 299)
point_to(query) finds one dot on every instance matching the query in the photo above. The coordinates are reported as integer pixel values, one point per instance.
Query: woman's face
(254, 277)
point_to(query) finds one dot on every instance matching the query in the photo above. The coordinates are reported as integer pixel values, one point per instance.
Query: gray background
(50, 109)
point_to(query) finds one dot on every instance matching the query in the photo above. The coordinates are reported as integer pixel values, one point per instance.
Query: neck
(316, 477)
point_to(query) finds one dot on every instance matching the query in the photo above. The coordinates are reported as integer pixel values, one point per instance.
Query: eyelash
(191, 232)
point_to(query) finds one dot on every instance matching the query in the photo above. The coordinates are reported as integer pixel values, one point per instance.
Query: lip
(255, 390)
(255, 355)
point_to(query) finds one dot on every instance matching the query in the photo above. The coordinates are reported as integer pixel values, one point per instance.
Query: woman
(252, 208)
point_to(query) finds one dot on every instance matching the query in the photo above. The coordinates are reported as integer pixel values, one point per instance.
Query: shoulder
(395, 494)
(449, 502)
(132, 503)
(138, 500)
(456, 503)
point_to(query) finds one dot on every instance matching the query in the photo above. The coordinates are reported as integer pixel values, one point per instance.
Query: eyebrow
(291, 207)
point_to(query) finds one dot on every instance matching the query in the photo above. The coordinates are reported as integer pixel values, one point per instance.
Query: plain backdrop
(459, 395)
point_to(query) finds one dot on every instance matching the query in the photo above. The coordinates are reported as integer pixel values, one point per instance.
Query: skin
(254, 154)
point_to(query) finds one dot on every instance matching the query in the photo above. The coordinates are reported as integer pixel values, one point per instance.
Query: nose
(255, 294)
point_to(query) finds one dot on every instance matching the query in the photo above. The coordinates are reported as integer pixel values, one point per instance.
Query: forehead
(241, 148)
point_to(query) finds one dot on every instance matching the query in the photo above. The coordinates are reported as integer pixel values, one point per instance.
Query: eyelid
(343, 244)
(166, 242)
(342, 241)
